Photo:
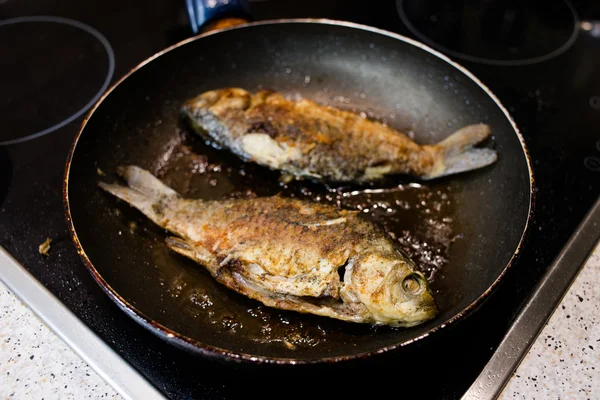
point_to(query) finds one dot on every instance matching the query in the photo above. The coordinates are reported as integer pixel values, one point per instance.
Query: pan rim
(217, 352)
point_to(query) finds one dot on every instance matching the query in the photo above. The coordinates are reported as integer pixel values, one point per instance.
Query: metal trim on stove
(55, 315)
(537, 310)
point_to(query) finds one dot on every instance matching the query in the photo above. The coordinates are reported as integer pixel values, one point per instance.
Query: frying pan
(464, 231)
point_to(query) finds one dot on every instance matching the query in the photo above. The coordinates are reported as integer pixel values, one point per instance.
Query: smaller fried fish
(305, 139)
(287, 253)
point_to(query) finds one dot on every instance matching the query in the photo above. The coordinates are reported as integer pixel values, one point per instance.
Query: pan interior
(463, 230)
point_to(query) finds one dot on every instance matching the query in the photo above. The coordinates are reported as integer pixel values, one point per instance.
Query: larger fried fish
(287, 253)
(304, 139)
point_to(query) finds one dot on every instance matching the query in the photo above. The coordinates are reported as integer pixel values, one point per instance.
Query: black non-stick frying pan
(464, 231)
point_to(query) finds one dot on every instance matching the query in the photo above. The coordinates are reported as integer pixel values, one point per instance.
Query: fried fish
(288, 253)
(307, 140)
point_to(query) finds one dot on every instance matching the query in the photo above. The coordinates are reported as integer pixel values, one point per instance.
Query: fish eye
(413, 283)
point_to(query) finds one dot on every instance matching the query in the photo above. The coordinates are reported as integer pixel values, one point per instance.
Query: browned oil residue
(418, 217)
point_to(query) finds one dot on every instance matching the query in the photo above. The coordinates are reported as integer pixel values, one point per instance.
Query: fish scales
(288, 253)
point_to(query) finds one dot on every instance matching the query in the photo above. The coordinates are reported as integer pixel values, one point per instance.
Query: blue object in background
(202, 11)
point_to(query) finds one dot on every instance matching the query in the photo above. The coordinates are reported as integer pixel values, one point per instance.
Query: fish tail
(459, 155)
(144, 182)
(144, 191)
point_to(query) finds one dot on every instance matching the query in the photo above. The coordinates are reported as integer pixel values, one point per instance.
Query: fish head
(393, 292)
(218, 102)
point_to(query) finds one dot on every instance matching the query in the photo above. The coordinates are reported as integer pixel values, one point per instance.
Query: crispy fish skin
(306, 139)
(287, 253)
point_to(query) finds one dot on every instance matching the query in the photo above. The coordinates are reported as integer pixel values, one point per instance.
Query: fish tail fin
(144, 191)
(459, 155)
(144, 182)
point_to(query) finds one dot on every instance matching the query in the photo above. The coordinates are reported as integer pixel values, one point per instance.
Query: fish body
(288, 253)
(307, 140)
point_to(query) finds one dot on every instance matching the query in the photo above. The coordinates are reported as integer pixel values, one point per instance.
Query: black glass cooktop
(59, 56)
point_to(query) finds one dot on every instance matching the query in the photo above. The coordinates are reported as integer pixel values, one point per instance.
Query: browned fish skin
(288, 253)
(305, 139)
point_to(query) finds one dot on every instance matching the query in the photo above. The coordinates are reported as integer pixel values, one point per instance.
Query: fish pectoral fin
(301, 286)
(327, 307)
(276, 278)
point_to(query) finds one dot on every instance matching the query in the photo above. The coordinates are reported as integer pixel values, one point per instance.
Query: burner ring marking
(111, 69)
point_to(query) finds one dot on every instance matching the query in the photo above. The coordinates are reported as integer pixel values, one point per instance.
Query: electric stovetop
(59, 56)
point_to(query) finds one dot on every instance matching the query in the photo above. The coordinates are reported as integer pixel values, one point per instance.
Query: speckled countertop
(563, 363)
(36, 364)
